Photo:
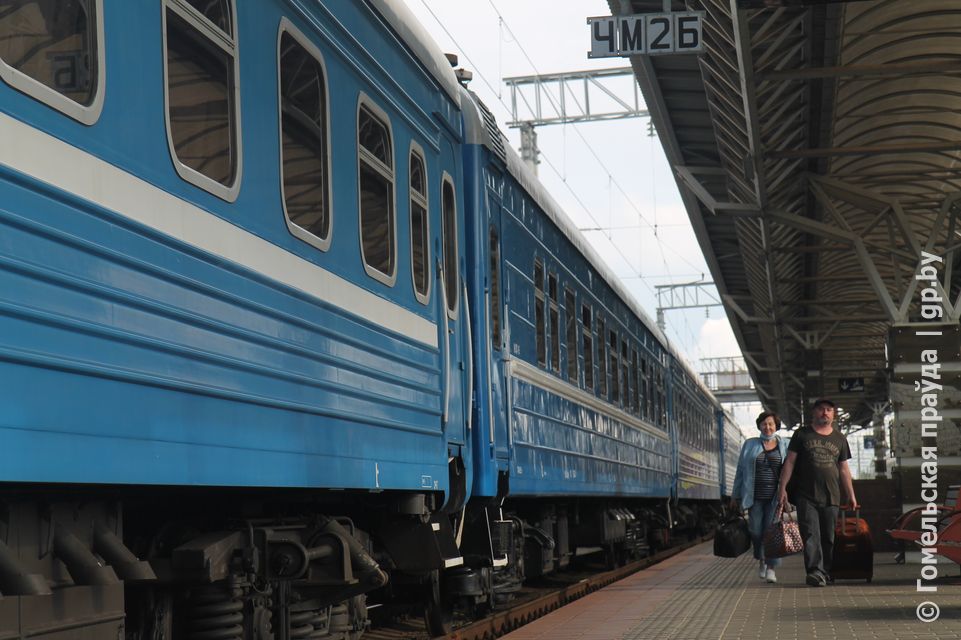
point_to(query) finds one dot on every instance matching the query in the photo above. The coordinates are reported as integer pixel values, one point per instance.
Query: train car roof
(421, 44)
(479, 130)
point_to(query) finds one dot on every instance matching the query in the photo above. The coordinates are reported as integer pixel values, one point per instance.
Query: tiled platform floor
(695, 596)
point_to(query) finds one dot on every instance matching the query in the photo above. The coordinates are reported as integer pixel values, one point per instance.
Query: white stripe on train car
(61, 165)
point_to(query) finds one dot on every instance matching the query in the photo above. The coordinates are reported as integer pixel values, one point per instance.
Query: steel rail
(503, 622)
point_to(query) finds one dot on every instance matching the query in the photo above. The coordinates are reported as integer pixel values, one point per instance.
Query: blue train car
(698, 447)
(286, 333)
(590, 433)
(233, 328)
(581, 414)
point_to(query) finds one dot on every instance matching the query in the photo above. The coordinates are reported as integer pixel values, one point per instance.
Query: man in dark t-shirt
(817, 466)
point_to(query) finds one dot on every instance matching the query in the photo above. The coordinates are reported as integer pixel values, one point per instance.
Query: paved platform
(695, 596)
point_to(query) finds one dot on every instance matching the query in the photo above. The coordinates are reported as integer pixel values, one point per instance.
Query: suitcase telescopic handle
(845, 508)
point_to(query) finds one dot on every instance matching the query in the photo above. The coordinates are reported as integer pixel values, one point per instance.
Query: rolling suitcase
(853, 556)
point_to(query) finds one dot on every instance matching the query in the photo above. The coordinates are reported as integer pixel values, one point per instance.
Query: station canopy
(817, 148)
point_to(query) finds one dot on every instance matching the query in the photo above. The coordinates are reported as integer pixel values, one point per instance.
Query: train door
(453, 316)
(495, 318)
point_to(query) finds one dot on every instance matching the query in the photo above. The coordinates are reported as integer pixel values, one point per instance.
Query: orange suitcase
(853, 550)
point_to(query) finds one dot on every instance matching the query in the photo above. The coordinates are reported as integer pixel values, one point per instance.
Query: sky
(611, 178)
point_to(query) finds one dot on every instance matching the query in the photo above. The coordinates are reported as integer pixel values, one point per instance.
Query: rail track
(504, 621)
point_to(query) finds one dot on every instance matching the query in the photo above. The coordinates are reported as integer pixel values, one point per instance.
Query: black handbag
(732, 538)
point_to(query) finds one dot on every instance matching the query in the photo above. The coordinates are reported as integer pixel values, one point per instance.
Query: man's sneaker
(762, 570)
(829, 579)
(769, 576)
(815, 580)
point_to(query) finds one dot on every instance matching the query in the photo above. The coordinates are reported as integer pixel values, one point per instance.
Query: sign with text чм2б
(646, 34)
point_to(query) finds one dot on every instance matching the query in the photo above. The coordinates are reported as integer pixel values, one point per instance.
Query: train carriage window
(53, 52)
(601, 357)
(696, 435)
(449, 244)
(625, 376)
(652, 398)
(664, 400)
(615, 369)
(570, 319)
(539, 324)
(656, 390)
(587, 323)
(555, 323)
(645, 389)
(661, 400)
(375, 160)
(419, 235)
(216, 11)
(702, 428)
(495, 300)
(304, 135)
(636, 379)
(202, 116)
(679, 420)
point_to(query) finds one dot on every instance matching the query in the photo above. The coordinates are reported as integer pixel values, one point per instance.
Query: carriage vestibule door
(497, 333)
(453, 317)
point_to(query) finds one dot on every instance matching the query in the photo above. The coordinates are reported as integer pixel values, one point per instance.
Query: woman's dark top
(767, 472)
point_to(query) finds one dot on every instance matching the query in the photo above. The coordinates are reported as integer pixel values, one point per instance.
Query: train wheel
(616, 556)
(438, 613)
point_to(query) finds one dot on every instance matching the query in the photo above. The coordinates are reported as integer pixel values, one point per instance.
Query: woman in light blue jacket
(755, 485)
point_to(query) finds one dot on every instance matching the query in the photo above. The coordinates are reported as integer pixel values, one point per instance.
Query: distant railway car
(698, 439)
(287, 333)
(731, 441)
(591, 435)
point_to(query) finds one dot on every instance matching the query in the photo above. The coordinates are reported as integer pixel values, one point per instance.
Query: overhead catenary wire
(547, 160)
(587, 144)
(502, 23)
(502, 26)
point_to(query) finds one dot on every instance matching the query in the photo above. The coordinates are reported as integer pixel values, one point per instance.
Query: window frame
(365, 101)
(33, 88)
(602, 365)
(494, 246)
(571, 335)
(645, 387)
(587, 339)
(416, 149)
(625, 374)
(614, 365)
(447, 178)
(323, 244)
(200, 22)
(554, 322)
(540, 320)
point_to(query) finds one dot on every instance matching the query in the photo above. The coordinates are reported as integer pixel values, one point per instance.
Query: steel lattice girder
(834, 164)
